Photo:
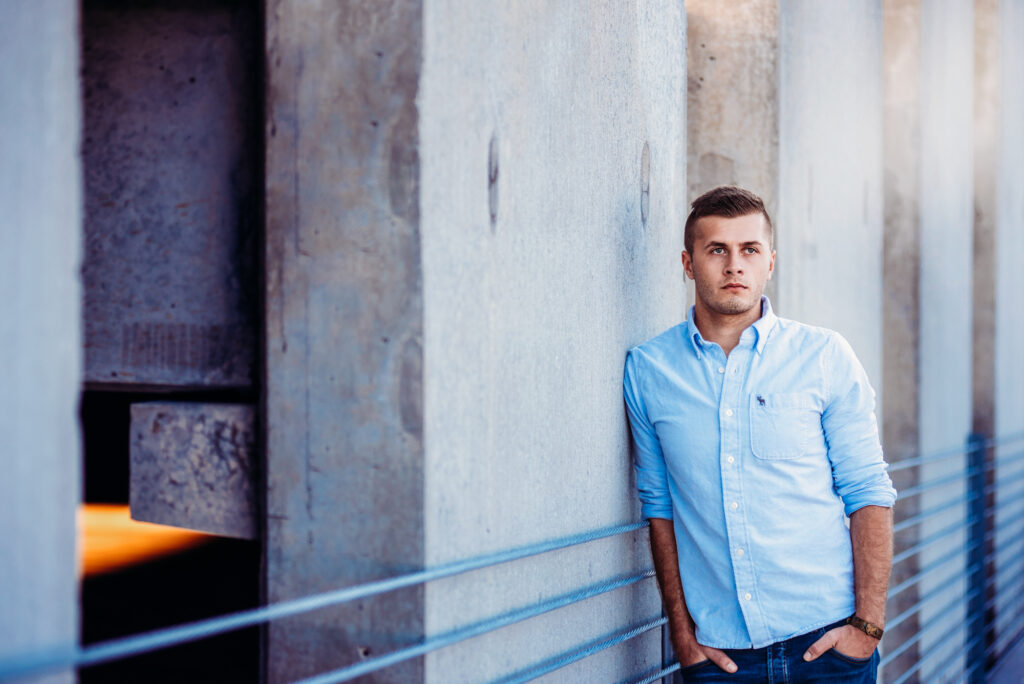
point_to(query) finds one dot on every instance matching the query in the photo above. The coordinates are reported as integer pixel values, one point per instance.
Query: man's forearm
(666, 566)
(871, 534)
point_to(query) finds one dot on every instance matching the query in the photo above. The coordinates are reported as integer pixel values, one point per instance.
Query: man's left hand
(846, 639)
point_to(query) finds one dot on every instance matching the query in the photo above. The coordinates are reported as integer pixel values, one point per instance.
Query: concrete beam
(40, 327)
(194, 466)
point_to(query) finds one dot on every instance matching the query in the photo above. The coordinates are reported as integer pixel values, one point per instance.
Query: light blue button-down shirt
(756, 457)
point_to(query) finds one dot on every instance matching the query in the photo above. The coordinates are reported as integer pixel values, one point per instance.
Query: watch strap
(872, 630)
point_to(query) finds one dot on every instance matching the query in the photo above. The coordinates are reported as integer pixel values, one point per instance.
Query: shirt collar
(763, 327)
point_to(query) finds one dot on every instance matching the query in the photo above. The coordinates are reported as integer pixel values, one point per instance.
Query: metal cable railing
(350, 672)
(989, 533)
(1010, 505)
(60, 658)
(584, 651)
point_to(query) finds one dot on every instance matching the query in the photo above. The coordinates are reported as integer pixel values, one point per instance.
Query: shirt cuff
(886, 498)
(648, 511)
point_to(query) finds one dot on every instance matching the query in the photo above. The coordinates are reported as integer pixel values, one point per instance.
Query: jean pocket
(783, 425)
(696, 666)
(852, 660)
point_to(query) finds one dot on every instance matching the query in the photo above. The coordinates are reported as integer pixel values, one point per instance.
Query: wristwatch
(868, 628)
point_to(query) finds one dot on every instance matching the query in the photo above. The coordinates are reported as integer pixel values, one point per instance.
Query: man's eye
(751, 250)
(718, 250)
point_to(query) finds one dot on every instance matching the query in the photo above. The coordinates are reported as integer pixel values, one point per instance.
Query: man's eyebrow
(749, 243)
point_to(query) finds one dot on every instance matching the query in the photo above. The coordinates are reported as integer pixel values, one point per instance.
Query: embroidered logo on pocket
(782, 426)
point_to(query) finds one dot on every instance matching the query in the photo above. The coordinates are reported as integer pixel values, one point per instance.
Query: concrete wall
(40, 336)
(540, 269)
(343, 395)
(784, 103)
(538, 168)
(946, 262)
(171, 155)
(901, 306)
(1009, 282)
(929, 220)
(732, 104)
(732, 97)
(829, 266)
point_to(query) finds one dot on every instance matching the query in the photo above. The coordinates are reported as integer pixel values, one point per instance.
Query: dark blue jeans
(783, 663)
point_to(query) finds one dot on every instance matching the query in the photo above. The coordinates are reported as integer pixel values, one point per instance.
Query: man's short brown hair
(727, 201)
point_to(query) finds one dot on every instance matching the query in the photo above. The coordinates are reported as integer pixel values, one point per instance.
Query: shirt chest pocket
(783, 426)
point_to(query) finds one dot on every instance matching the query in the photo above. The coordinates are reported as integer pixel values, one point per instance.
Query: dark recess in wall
(221, 575)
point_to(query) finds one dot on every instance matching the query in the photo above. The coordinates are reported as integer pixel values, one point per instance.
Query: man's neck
(723, 329)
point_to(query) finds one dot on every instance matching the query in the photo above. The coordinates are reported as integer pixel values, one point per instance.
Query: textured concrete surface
(732, 102)
(946, 248)
(987, 103)
(344, 327)
(194, 465)
(900, 307)
(40, 329)
(732, 97)
(529, 313)
(829, 266)
(171, 152)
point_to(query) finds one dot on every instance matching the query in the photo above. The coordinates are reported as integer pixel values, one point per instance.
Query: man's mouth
(733, 287)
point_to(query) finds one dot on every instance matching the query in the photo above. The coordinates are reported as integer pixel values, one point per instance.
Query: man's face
(731, 262)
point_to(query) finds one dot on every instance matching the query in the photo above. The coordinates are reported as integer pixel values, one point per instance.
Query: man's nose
(733, 265)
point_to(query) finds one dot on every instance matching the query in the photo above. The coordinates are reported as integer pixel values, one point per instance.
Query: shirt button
(730, 459)
(734, 505)
(747, 596)
(739, 552)
(721, 370)
(728, 412)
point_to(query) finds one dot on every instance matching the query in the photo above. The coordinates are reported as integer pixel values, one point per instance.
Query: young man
(754, 437)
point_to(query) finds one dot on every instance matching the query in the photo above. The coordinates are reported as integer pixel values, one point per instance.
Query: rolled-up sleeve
(648, 460)
(851, 432)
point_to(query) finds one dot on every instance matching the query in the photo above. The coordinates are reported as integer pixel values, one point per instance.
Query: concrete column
(829, 266)
(1009, 283)
(732, 100)
(553, 180)
(461, 246)
(987, 102)
(732, 97)
(40, 327)
(929, 209)
(344, 316)
(784, 103)
(946, 260)
(901, 311)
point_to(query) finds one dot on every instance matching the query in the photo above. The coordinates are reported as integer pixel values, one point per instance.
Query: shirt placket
(733, 420)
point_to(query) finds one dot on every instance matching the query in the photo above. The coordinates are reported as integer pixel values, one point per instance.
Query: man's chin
(735, 305)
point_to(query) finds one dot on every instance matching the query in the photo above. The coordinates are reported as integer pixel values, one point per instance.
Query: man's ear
(771, 266)
(687, 264)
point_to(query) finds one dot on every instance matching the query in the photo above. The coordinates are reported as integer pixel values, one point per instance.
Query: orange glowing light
(111, 540)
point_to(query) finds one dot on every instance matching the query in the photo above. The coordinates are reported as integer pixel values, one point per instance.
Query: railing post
(976, 619)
